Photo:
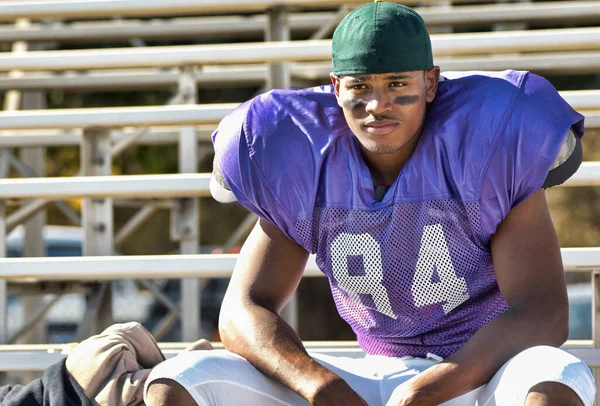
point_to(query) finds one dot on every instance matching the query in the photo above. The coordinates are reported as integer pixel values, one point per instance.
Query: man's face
(385, 111)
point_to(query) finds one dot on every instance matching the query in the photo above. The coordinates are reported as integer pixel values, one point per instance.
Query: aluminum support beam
(596, 319)
(185, 221)
(168, 115)
(97, 213)
(12, 101)
(187, 266)
(116, 117)
(255, 75)
(249, 26)
(135, 223)
(240, 232)
(556, 63)
(3, 283)
(55, 138)
(280, 78)
(30, 209)
(24, 213)
(124, 187)
(278, 30)
(33, 243)
(587, 175)
(510, 25)
(120, 146)
(582, 99)
(36, 315)
(162, 135)
(326, 29)
(135, 79)
(164, 186)
(221, 28)
(169, 56)
(38, 359)
(97, 220)
(572, 39)
(557, 12)
(110, 8)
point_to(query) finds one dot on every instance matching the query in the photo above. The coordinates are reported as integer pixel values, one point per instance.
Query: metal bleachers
(103, 133)
(253, 26)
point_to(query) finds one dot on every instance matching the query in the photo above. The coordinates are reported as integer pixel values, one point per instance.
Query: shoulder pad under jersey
(526, 155)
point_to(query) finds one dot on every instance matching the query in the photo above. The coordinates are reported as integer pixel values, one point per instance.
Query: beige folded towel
(112, 367)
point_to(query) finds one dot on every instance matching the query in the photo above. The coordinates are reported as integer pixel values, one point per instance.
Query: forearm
(263, 338)
(485, 353)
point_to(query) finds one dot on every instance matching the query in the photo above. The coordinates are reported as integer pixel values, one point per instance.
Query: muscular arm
(266, 274)
(530, 275)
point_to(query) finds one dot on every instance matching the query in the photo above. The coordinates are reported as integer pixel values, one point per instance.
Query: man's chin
(381, 149)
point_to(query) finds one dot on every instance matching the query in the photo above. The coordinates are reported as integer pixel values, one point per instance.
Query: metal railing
(105, 268)
(226, 27)
(302, 74)
(143, 8)
(588, 102)
(444, 45)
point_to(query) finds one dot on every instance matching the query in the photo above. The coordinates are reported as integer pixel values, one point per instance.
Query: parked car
(64, 317)
(580, 311)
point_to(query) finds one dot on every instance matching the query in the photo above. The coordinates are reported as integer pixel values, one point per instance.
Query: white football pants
(221, 378)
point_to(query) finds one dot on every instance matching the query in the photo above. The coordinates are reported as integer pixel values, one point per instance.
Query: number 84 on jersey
(450, 290)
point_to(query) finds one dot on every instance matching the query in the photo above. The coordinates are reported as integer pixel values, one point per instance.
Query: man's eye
(397, 84)
(358, 87)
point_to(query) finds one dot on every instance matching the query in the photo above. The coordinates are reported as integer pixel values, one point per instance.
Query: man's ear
(335, 81)
(432, 77)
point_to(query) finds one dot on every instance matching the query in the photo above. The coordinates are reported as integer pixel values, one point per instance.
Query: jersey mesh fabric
(410, 278)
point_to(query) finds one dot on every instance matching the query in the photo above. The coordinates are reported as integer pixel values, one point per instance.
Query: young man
(422, 197)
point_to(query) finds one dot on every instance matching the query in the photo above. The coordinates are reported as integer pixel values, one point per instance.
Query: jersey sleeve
(268, 154)
(526, 149)
(235, 177)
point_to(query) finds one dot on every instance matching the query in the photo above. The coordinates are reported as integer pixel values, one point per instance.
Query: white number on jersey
(370, 283)
(434, 255)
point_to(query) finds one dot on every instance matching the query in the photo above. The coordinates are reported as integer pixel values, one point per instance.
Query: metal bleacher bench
(560, 51)
(38, 357)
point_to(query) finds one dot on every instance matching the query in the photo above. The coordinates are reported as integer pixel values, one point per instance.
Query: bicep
(268, 269)
(527, 259)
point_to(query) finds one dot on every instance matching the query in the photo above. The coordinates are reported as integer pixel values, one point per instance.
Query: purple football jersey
(412, 273)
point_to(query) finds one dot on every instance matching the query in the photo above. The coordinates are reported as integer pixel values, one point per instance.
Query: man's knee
(163, 392)
(552, 393)
(553, 373)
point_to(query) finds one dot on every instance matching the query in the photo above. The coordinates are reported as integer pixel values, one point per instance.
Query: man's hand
(403, 396)
(337, 393)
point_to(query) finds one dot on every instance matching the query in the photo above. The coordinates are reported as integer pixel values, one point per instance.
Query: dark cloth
(56, 388)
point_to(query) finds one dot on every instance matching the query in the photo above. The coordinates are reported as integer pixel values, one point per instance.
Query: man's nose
(378, 104)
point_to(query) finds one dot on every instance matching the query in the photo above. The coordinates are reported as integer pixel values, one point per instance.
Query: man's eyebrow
(355, 79)
(397, 77)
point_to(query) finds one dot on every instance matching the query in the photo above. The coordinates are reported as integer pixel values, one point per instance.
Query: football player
(422, 196)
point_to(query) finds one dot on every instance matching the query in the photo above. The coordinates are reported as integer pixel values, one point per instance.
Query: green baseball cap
(381, 37)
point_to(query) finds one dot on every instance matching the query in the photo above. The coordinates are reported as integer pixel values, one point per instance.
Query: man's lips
(381, 127)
